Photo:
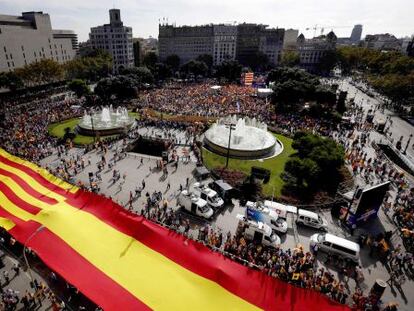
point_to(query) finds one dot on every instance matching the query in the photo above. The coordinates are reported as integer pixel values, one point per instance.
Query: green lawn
(275, 165)
(58, 130)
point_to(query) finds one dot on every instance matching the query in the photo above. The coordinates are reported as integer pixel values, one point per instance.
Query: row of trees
(391, 73)
(92, 67)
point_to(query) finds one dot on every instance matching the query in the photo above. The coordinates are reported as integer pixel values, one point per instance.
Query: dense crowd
(24, 130)
(202, 100)
(24, 133)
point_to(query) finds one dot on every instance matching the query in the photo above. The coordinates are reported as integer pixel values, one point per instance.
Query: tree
(315, 167)
(229, 71)
(140, 74)
(290, 59)
(208, 60)
(173, 61)
(327, 62)
(10, 80)
(194, 67)
(79, 87)
(257, 61)
(41, 72)
(149, 60)
(95, 65)
(162, 72)
(136, 46)
(122, 87)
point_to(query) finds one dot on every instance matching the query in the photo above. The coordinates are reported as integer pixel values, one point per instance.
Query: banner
(122, 261)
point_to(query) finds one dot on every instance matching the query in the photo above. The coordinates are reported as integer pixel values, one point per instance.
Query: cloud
(377, 16)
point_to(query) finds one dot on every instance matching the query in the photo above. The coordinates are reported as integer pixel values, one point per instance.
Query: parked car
(311, 219)
(332, 244)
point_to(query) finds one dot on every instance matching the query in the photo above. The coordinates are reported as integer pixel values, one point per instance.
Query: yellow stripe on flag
(154, 279)
(32, 182)
(51, 178)
(6, 223)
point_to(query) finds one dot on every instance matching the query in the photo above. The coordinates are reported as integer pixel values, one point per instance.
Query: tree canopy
(391, 73)
(293, 86)
(79, 87)
(229, 71)
(315, 167)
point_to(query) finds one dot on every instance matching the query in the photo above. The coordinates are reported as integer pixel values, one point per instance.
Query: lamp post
(25, 247)
(408, 143)
(231, 127)
(93, 128)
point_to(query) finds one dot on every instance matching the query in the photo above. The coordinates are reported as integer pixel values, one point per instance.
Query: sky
(376, 16)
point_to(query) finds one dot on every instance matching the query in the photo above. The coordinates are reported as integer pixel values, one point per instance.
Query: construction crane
(322, 28)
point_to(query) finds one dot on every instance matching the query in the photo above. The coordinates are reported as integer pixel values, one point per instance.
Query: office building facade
(188, 42)
(30, 38)
(221, 41)
(312, 50)
(254, 38)
(116, 39)
(356, 34)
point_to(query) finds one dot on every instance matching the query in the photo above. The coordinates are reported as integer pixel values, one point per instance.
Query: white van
(258, 212)
(330, 243)
(311, 219)
(280, 209)
(194, 204)
(209, 195)
(258, 232)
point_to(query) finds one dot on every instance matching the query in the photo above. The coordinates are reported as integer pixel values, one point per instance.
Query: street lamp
(408, 142)
(231, 127)
(93, 128)
(25, 247)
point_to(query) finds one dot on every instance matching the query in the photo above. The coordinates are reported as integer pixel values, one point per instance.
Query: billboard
(367, 203)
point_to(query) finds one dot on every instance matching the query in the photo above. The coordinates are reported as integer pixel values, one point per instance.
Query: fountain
(106, 122)
(249, 139)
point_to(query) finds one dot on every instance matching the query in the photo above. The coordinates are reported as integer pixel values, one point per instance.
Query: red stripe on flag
(18, 201)
(27, 188)
(38, 177)
(254, 286)
(79, 272)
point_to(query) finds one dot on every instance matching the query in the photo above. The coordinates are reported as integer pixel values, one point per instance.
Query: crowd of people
(24, 130)
(203, 100)
(24, 133)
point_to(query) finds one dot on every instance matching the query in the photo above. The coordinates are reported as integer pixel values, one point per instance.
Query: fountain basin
(107, 121)
(249, 139)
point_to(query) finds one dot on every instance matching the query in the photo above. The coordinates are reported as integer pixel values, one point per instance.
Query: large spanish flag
(122, 261)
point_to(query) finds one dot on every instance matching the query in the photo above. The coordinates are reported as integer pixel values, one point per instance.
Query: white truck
(194, 204)
(257, 232)
(209, 195)
(258, 212)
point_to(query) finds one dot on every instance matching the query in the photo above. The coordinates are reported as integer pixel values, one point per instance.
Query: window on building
(5, 50)
(34, 54)
(22, 48)
(7, 56)
(24, 55)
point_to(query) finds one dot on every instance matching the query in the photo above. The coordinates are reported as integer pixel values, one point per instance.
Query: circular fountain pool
(107, 121)
(249, 139)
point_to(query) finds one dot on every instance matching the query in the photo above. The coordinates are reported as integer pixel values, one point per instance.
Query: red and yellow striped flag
(124, 262)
